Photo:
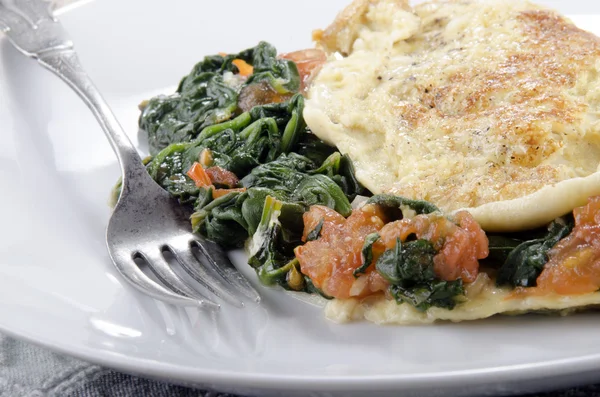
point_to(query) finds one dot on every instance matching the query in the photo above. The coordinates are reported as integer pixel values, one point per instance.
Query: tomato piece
(244, 68)
(216, 193)
(313, 217)
(199, 175)
(259, 94)
(460, 246)
(221, 176)
(330, 261)
(574, 262)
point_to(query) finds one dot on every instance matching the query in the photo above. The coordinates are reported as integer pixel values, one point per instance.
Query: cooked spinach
(272, 245)
(282, 166)
(286, 179)
(392, 205)
(281, 74)
(292, 176)
(525, 262)
(409, 269)
(237, 145)
(316, 232)
(367, 254)
(204, 97)
(500, 246)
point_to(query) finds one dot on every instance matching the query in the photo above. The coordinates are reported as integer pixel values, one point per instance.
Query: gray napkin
(30, 371)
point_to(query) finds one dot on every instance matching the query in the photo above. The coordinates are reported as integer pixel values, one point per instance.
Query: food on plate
(435, 162)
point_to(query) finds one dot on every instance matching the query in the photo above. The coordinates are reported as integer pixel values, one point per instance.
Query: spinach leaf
(286, 179)
(367, 254)
(200, 101)
(272, 246)
(205, 97)
(525, 262)
(392, 205)
(339, 168)
(500, 246)
(316, 232)
(221, 220)
(168, 169)
(409, 269)
(281, 74)
(437, 293)
(290, 177)
(237, 145)
(315, 149)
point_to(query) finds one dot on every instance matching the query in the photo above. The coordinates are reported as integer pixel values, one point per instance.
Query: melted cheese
(486, 105)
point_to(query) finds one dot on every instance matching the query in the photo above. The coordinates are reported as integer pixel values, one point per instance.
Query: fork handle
(65, 64)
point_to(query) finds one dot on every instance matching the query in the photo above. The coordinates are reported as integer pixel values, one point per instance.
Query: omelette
(490, 106)
(486, 108)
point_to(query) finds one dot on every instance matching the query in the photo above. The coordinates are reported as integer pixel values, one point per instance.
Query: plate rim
(504, 374)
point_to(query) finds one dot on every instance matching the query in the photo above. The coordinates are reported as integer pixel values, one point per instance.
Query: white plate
(58, 288)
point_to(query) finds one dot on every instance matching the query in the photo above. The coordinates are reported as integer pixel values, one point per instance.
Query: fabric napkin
(27, 370)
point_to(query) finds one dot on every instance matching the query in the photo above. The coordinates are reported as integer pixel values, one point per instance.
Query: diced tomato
(459, 246)
(244, 68)
(574, 262)
(221, 176)
(312, 218)
(209, 176)
(199, 175)
(222, 192)
(330, 261)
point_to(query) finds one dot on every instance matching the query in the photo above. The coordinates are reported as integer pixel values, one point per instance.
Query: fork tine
(219, 261)
(161, 268)
(212, 282)
(132, 273)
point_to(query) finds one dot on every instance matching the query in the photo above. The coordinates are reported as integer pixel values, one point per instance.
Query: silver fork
(146, 221)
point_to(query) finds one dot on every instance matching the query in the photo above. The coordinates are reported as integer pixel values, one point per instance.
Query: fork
(146, 221)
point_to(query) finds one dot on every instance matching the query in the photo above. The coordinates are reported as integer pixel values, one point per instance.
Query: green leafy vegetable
(393, 205)
(437, 293)
(283, 168)
(200, 101)
(237, 145)
(222, 220)
(205, 97)
(291, 178)
(316, 232)
(367, 254)
(281, 74)
(525, 262)
(272, 246)
(340, 169)
(409, 269)
(286, 179)
(500, 246)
